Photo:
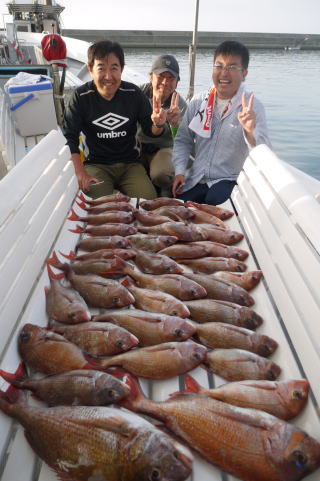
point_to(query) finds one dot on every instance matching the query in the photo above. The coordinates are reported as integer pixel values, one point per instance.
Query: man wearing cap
(157, 152)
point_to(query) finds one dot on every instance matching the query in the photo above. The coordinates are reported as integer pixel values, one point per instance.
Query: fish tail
(77, 230)
(71, 255)
(81, 197)
(54, 261)
(82, 205)
(9, 398)
(73, 216)
(52, 275)
(16, 377)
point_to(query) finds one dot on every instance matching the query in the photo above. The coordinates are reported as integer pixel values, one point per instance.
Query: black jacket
(109, 126)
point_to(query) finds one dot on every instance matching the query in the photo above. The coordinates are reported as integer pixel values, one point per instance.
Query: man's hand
(84, 179)
(178, 185)
(247, 118)
(159, 115)
(174, 113)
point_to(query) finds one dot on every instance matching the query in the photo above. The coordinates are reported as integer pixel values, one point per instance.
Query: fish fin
(82, 205)
(93, 363)
(52, 275)
(117, 372)
(17, 376)
(189, 203)
(132, 400)
(127, 282)
(73, 215)
(71, 254)
(78, 230)
(81, 197)
(118, 263)
(53, 260)
(110, 423)
(191, 384)
(46, 290)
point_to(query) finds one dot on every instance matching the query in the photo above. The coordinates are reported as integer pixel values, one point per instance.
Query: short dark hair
(102, 48)
(231, 47)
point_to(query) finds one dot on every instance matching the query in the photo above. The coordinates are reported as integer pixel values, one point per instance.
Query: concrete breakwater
(182, 39)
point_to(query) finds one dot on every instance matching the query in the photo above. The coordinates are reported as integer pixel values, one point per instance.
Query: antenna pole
(192, 53)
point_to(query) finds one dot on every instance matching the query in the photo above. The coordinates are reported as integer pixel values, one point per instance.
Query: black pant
(214, 195)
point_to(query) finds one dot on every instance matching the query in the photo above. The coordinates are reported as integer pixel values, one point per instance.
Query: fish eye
(298, 458)
(115, 300)
(196, 356)
(119, 344)
(251, 323)
(25, 336)
(174, 313)
(112, 393)
(155, 474)
(271, 376)
(238, 268)
(178, 332)
(297, 395)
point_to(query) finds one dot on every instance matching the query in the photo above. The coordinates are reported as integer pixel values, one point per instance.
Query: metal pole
(192, 54)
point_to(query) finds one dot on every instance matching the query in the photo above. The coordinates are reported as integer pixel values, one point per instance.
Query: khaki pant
(161, 169)
(130, 178)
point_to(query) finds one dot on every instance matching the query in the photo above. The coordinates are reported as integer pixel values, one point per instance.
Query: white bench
(38, 195)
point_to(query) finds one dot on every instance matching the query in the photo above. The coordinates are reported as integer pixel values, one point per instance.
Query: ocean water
(288, 84)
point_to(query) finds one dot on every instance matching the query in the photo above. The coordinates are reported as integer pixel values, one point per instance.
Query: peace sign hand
(159, 115)
(174, 113)
(247, 118)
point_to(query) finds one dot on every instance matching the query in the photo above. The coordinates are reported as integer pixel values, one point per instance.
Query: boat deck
(280, 224)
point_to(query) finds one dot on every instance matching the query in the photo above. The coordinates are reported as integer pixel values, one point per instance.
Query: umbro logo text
(111, 135)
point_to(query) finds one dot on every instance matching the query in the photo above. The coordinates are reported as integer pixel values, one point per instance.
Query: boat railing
(281, 219)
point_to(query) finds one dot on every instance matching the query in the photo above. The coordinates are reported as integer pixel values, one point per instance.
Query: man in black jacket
(106, 110)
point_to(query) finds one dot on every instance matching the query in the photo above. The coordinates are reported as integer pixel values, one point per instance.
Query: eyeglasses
(228, 68)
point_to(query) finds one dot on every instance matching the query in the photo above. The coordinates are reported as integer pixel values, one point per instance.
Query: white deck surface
(34, 222)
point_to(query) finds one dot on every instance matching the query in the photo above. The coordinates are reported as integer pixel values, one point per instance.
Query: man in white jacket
(221, 125)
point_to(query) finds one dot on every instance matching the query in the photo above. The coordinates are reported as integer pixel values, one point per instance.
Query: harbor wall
(182, 39)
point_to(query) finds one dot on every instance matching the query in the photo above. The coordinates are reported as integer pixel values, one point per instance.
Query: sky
(278, 16)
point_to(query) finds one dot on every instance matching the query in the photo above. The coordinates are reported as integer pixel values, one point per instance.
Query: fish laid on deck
(222, 335)
(65, 304)
(100, 443)
(283, 399)
(72, 388)
(150, 328)
(247, 443)
(239, 365)
(162, 361)
(206, 310)
(153, 243)
(97, 338)
(221, 290)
